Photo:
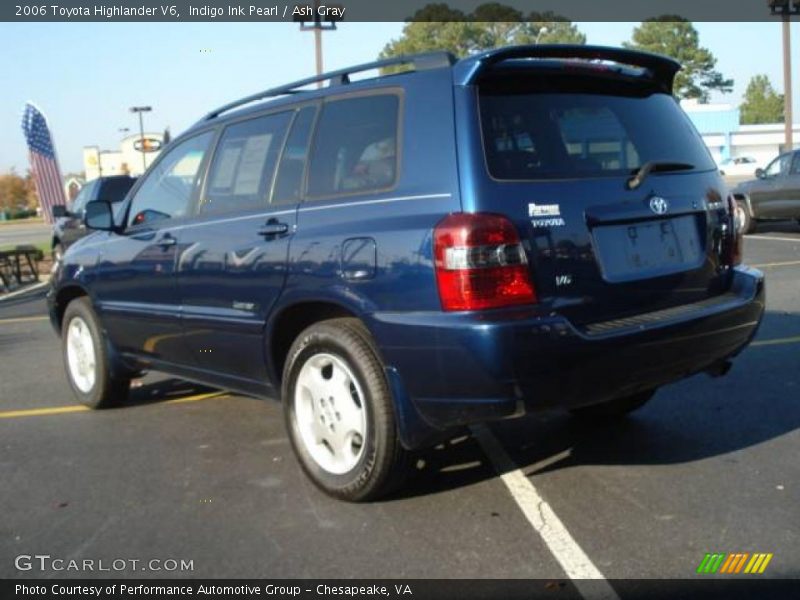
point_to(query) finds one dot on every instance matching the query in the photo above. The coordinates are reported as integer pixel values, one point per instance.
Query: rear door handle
(273, 227)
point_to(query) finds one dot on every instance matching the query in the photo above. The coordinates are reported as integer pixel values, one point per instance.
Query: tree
(762, 104)
(490, 25)
(17, 192)
(674, 36)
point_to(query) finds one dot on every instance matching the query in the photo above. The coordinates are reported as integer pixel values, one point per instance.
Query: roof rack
(421, 62)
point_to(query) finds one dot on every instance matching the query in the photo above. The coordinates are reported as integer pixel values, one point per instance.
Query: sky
(85, 76)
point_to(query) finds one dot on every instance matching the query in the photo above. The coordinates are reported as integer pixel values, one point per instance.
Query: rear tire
(86, 358)
(618, 407)
(339, 412)
(746, 223)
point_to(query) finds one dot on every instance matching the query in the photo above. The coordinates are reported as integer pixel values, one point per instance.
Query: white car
(740, 166)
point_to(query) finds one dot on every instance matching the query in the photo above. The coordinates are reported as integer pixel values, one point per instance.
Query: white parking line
(773, 238)
(586, 577)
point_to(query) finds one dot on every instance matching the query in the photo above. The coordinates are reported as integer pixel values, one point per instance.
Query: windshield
(544, 135)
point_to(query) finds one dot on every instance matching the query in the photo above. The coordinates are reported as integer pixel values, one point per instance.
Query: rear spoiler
(661, 68)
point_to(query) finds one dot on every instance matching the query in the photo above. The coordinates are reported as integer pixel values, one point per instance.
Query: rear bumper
(452, 369)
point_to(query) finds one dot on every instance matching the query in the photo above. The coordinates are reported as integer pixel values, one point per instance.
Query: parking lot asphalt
(710, 465)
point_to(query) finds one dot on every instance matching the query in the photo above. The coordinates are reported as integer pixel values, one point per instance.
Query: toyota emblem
(659, 205)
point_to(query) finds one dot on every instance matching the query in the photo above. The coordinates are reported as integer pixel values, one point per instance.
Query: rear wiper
(640, 174)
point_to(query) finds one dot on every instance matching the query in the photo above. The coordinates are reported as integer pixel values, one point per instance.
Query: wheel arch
(63, 297)
(292, 318)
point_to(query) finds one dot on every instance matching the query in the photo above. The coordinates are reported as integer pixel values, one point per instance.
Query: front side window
(532, 133)
(244, 163)
(355, 148)
(167, 190)
(79, 203)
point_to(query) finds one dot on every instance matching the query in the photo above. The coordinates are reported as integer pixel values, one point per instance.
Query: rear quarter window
(355, 146)
(550, 135)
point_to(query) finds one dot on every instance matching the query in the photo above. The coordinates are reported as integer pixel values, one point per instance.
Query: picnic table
(18, 266)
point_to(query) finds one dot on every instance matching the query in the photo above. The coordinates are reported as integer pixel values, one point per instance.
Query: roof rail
(662, 68)
(421, 62)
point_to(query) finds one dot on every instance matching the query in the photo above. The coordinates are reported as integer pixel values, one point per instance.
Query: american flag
(44, 164)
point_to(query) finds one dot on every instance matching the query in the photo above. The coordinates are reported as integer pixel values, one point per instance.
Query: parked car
(400, 257)
(741, 166)
(68, 226)
(773, 196)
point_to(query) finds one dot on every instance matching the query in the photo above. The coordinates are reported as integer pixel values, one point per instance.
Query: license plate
(650, 249)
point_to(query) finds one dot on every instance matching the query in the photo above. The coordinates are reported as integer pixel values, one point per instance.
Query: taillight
(733, 245)
(480, 263)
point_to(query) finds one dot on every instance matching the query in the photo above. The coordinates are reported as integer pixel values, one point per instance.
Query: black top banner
(405, 10)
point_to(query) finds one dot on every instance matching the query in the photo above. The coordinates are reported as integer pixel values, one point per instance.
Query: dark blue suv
(400, 256)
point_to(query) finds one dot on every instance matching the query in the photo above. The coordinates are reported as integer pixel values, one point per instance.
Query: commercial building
(134, 155)
(727, 138)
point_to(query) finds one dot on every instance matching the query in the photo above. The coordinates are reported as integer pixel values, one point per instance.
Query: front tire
(618, 407)
(339, 412)
(86, 358)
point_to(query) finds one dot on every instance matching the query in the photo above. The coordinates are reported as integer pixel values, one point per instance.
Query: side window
(355, 148)
(289, 180)
(243, 165)
(167, 190)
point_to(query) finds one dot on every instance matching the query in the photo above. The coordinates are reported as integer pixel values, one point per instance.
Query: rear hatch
(562, 146)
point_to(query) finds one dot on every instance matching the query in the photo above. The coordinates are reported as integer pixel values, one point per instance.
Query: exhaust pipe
(719, 369)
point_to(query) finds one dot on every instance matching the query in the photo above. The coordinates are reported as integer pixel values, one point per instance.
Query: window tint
(544, 135)
(796, 164)
(289, 180)
(779, 166)
(79, 203)
(115, 188)
(355, 148)
(167, 189)
(244, 162)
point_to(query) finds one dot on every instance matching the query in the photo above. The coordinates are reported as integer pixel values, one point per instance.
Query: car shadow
(695, 419)
(163, 390)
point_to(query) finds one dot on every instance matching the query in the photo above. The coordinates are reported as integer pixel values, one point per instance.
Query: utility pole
(786, 9)
(140, 110)
(317, 26)
(787, 82)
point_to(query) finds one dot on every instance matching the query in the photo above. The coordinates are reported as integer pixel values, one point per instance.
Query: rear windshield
(547, 135)
(114, 190)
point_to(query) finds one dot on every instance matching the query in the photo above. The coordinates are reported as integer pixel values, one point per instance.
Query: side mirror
(98, 215)
(59, 211)
(760, 173)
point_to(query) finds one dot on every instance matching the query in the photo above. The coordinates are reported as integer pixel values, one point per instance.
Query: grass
(28, 221)
(43, 246)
